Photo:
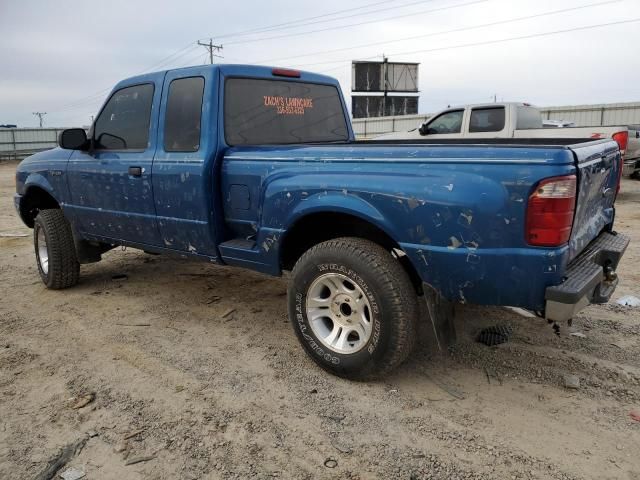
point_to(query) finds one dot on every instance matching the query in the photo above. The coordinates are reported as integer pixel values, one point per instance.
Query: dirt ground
(203, 393)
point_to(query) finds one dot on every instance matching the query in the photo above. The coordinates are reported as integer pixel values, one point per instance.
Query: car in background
(502, 120)
(632, 155)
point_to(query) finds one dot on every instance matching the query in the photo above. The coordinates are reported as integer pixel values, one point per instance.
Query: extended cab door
(110, 185)
(487, 121)
(185, 180)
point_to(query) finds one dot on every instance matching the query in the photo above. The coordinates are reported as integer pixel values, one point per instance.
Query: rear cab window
(486, 119)
(262, 111)
(528, 117)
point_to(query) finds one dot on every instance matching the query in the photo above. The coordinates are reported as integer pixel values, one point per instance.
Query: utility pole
(385, 74)
(40, 115)
(211, 47)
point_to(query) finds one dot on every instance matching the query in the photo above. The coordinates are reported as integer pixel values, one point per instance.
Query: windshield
(261, 111)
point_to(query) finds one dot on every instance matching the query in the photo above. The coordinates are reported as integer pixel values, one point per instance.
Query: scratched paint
(428, 208)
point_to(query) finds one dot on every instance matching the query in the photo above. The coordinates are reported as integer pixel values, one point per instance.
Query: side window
(487, 119)
(182, 119)
(449, 122)
(123, 124)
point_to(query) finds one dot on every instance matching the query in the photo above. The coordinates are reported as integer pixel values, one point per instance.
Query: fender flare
(338, 202)
(39, 181)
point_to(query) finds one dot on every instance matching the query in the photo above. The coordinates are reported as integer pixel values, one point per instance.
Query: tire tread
(64, 268)
(400, 294)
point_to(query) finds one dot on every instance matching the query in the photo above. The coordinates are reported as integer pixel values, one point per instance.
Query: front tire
(55, 250)
(353, 308)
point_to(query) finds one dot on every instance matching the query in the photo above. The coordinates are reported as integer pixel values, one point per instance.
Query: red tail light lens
(550, 212)
(622, 138)
(285, 72)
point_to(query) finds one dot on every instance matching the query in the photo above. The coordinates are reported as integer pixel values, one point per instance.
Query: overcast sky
(63, 57)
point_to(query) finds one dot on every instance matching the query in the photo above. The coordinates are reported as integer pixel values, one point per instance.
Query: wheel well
(320, 227)
(34, 200)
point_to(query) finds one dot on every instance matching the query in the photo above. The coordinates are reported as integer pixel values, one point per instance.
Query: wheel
(55, 251)
(353, 308)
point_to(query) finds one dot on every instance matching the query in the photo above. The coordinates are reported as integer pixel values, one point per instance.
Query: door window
(487, 119)
(182, 120)
(123, 123)
(448, 122)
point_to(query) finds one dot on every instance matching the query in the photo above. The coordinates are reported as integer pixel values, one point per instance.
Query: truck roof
(232, 69)
(490, 104)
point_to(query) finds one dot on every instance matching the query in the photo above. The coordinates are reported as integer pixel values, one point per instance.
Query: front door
(110, 185)
(446, 125)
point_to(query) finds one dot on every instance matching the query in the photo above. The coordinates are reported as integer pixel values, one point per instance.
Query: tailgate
(597, 168)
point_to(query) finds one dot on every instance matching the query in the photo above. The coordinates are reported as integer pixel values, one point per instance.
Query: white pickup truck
(501, 120)
(632, 155)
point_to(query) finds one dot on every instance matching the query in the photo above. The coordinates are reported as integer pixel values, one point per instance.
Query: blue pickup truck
(258, 167)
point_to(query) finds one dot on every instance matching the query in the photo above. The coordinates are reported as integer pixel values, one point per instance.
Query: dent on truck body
(457, 213)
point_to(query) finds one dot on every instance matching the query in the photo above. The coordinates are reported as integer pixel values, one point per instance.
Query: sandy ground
(214, 396)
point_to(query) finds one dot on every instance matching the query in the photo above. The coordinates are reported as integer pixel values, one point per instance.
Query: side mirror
(424, 129)
(73, 139)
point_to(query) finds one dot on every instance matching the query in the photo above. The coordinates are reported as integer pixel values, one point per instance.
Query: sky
(63, 57)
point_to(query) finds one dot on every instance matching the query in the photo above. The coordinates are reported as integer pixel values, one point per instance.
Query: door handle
(135, 171)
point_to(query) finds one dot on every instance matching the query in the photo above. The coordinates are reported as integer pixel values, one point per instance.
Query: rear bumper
(590, 278)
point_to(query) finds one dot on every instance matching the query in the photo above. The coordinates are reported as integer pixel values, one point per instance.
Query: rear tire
(55, 250)
(353, 308)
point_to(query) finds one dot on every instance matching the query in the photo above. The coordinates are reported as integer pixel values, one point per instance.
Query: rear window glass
(486, 119)
(528, 117)
(259, 111)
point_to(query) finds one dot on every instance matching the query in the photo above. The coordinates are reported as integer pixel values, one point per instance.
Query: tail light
(622, 139)
(550, 212)
(285, 72)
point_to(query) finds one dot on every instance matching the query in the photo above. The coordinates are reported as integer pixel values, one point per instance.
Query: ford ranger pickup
(257, 167)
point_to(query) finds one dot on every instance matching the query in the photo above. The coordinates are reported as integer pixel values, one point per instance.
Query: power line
(475, 44)
(211, 47)
(303, 23)
(202, 59)
(297, 21)
(177, 54)
(366, 22)
(98, 96)
(190, 46)
(456, 30)
(40, 115)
